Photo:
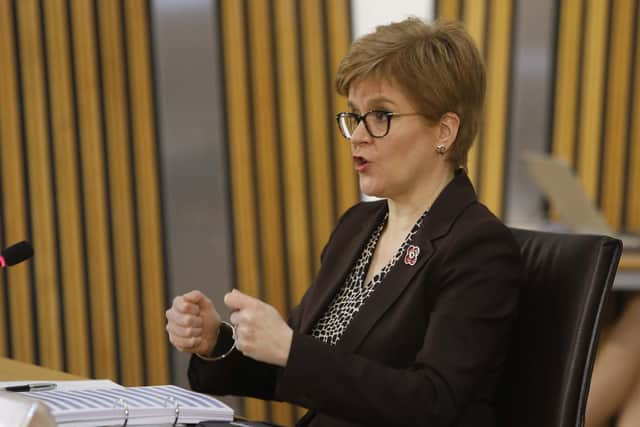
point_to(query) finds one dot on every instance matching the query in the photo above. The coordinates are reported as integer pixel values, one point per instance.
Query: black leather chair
(554, 343)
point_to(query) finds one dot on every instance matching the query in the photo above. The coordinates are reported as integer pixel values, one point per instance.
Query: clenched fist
(261, 333)
(193, 323)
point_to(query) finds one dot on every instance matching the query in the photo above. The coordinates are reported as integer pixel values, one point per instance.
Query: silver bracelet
(228, 352)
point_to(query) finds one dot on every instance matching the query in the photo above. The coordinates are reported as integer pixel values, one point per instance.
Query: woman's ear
(448, 129)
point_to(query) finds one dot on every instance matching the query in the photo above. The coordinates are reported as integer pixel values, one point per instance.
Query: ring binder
(121, 402)
(127, 406)
(176, 406)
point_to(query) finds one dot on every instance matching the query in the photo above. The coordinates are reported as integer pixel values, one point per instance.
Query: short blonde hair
(437, 66)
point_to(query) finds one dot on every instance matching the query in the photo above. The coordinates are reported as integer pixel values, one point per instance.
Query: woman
(407, 321)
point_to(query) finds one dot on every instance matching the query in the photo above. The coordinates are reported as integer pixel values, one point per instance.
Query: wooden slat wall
(40, 176)
(490, 24)
(94, 188)
(338, 32)
(150, 255)
(596, 103)
(64, 142)
(290, 171)
(80, 179)
(632, 219)
(17, 324)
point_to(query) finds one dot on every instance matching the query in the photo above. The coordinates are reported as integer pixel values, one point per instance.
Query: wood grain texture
(39, 164)
(16, 289)
(148, 206)
(494, 135)
(94, 189)
(592, 102)
(67, 187)
(241, 161)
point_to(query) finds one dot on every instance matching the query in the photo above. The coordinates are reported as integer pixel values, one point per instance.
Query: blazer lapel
(336, 265)
(437, 222)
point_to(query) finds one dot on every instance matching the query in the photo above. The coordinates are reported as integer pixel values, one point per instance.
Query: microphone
(16, 253)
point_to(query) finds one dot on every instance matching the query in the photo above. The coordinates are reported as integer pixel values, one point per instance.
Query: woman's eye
(380, 115)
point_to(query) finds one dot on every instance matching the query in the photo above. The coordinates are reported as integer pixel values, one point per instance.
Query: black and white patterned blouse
(355, 292)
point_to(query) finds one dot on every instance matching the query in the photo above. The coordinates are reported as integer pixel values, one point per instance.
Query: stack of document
(91, 405)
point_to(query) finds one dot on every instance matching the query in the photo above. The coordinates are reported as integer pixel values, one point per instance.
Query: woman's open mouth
(360, 163)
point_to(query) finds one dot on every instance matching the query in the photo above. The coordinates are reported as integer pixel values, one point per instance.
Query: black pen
(31, 387)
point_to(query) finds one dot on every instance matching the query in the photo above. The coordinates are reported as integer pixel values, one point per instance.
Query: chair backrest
(568, 278)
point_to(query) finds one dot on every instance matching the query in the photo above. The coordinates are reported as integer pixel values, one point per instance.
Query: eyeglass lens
(376, 122)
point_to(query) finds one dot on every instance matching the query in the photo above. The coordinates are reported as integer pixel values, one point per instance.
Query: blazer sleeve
(466, 339)
(237, 374)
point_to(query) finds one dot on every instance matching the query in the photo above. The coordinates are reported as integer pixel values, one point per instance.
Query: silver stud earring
(441, 148)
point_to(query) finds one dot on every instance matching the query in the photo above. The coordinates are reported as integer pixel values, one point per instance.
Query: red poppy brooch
(411, 256)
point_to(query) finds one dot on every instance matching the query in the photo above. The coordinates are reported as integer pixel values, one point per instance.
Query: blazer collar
(456, 196)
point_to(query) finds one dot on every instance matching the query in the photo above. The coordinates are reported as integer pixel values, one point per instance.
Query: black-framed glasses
(377, 122)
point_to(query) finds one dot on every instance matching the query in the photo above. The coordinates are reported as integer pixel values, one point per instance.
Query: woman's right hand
(193, 323)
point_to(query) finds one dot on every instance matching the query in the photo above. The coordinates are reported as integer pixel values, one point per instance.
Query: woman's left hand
(261, 333)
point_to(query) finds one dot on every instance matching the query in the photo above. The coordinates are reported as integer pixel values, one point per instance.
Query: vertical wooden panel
(490, 25)
(13, 195)
(51, 88)
(285, 197)
(449, 9)
(290, 104)
(94, 190)
(318, 132)
(339, 38)
(633, 192)
(240, 157)
(120, 185)
(616, 129)
(64, 140)
(590, 131)
(496, 118)
(268, 164)
(268, 168)
(148, 197)
(566, 83)
(474, 16)
(42, 205)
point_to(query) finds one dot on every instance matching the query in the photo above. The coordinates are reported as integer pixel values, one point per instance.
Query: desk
(13, 370)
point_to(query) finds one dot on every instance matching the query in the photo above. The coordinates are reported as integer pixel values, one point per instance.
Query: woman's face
(401, 162)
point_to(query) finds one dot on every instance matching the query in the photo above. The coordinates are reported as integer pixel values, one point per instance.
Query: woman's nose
(360, 134)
